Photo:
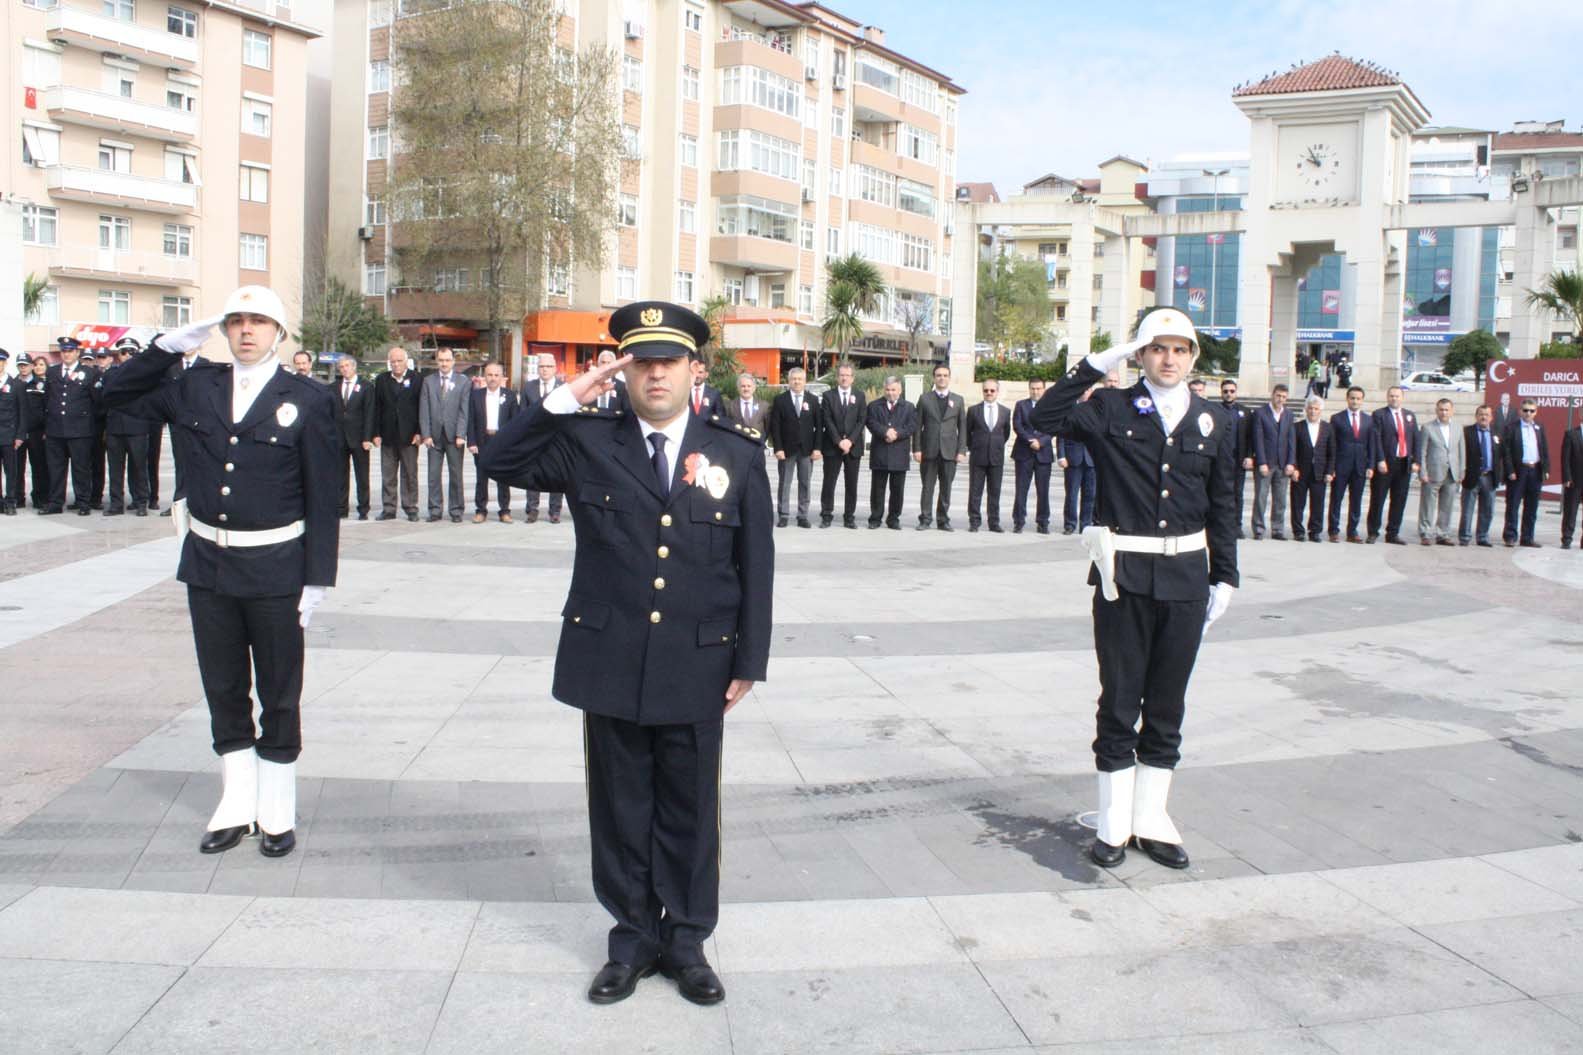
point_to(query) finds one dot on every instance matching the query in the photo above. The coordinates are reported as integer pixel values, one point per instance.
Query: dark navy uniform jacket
(70, 406)
(34, 403)
(1153, 484)
(279, 464)
(13, 412)
(670, 597)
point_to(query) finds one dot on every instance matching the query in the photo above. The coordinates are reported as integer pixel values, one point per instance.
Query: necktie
(989, 416)
(747, 414)
(1484, 448)
(1401, 437)
(346, 391)
(698, 400)
(797, 404)
(846, 399)
(1354, 424)
(662, 467)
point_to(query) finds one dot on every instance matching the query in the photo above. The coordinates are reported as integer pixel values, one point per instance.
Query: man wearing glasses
(1527, 466)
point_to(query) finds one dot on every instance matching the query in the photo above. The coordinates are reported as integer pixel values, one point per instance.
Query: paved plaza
(1382, 793)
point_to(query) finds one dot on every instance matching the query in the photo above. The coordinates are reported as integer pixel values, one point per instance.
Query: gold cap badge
(652, 317)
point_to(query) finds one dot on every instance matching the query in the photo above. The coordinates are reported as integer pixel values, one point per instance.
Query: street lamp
(1214, 246)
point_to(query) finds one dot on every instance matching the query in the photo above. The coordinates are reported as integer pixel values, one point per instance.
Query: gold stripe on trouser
(588, 791)
(720, 842)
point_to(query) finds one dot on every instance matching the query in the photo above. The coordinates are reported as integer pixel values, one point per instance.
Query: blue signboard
(1429, 338)
(1341, 336)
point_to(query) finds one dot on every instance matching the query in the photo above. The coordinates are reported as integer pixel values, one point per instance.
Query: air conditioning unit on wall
(634, 30)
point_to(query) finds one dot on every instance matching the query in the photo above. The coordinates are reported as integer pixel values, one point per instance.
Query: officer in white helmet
(260, 527)
(1164, 552)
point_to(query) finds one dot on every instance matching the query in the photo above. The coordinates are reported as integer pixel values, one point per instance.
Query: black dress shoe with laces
(1105, 855)
(222, 839)
(617, 981)
(696, 982)
(1171, 855)
(277, 845)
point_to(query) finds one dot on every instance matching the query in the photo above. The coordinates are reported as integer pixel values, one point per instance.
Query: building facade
(155, 161)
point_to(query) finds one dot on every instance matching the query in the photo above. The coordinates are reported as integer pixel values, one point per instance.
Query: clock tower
(1328, 159)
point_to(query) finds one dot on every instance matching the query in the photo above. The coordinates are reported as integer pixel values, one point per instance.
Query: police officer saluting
(126, 446)
(666, 627)
(1167, 469)
(259, 512)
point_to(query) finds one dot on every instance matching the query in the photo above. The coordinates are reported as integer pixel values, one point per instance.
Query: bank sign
(1556, 385)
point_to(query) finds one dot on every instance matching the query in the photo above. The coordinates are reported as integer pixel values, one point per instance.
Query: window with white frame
(175, 312)
(732, 291)
(809, 168)
(40, 224)
(693, 20)
(115, 306)
(916, 253)
(115, 233)
(806, 235)
(47, 313)
(838, 122)
(688, 151)
(255, 252)
(374, 212)
(180, 21)
(686, 217)
(755, 86)
(915, 197)
(178, 240)
(835, 181)
(777, 294)
(918, 90)
(805, 300)
(690, 83)
(627, 210)
(40, 146)
(810, 52)
(378, 142)
(256, 49)
(632, 73)
(40, 66)
(950, 111)
(379, 12)
(41, 5)
(631, 143)
(873, 185)
(945, 313)
(559, 280)
(181, 166)
(254, 183)
(758, 217)
(948, 165)
(832, 241)
(379, 76)
(877, 244)
(626, 283)
(256, 117)
(684, 287)
(121, 10)
(374, 280)
(745, 149)
(879, 72)
(451, 280)
(915, 143)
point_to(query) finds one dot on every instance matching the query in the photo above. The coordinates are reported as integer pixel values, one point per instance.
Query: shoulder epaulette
(725, 424)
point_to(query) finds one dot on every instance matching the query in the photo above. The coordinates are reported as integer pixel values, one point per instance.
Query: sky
(1059, 87)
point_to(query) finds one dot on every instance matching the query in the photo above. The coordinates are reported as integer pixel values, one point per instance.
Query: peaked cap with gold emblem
(656, 329)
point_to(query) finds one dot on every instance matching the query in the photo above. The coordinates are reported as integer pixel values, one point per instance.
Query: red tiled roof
(1537, 140)
(1332, 73)
(978, 192)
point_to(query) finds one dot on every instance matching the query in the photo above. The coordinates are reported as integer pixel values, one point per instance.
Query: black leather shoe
(996, 529)
(434, 518)
(972, 529)
(1531, 544)
(164, 512)
(697, 983)
(1105, 855)
(1068, 530)
(1046, 530)
(802, 522)
(824, 522)
(412, 518)
(1486, 545)
(943, 526)
(1394, 540)
(140, 511)
(616, 981)
(1171, 855)
(387, 516)
(1016, 529)
(277, 845)
(362, 516)
(83, 511)
(223, 839)
(1373, 539)
(849, 522)
(923, 525)
(115, 512)
(872, 526)
(780, 522)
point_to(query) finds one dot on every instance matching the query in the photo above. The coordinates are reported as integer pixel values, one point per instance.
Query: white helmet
(1167, 322)
(257, 300)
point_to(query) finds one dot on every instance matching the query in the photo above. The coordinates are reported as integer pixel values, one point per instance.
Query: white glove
(312, 597)
(1114, 356)
(188, 338)
(1219, 601)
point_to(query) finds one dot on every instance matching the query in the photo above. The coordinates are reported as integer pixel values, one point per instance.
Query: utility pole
(1214, 246)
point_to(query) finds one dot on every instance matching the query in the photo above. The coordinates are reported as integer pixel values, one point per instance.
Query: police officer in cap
(30, 375)
(69, 407)
(261, 525)
(1166, 462)
(13, 429)
(667, 626)
(126, 446)
(97, 362)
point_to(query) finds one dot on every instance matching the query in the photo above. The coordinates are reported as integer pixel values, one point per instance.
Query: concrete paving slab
(1542, 955)
(1242, 911)
(1519, 1026)
(1259, 1042)
(1428, 892)
(56, 1006)
(1558, 868)
(346, 934)
(123, 926)
(538, 938)
(814, 935)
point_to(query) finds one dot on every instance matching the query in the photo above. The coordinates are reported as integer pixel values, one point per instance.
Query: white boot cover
(277, 796)
(1115, 806)
(239, 790)
(1149, 819)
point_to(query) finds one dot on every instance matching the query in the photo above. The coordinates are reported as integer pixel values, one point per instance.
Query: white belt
(1103, 544)
(226, 538)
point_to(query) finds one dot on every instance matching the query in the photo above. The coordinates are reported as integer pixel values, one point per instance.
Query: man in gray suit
(938, 445)
(747, 409)
(442, 422)
(1442, 463)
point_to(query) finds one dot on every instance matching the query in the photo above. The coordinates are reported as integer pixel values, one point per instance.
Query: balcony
(134, 268)
(103, 187)
(111, 35)
(738, 48)
(81, 106)
(756, 254)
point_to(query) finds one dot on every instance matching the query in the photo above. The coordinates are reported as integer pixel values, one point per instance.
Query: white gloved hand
(188, 338)
(1219, 600)
(312, 597)
(1114, 356)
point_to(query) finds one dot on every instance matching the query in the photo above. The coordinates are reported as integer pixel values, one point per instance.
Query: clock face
(1316, 164)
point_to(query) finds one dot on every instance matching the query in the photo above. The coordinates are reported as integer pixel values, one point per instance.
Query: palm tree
(723, 363)
(1561, 294)
(33, 288)
(854, 287)
(868, 285)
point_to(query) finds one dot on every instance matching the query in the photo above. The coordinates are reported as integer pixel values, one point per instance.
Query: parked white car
(1429, 381)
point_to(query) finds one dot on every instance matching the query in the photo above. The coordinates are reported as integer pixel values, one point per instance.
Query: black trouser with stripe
(128, 467)
(654, 819)
(1146, 650)
(77, 452)
(236, 637)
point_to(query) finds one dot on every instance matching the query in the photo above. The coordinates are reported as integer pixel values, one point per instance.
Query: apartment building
(154, 159)
(769, 137)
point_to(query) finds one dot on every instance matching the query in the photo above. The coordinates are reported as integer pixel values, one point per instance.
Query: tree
(853, 287)
(1218, 355)
(1100, 341)
(1561, 294)
(338, 319)
(916, 316)
(1474, 351)
(507, 150)
(1013, 303)
(724, 366)
(33, 287)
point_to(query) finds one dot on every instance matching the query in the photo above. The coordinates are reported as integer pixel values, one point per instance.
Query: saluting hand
(592, 384)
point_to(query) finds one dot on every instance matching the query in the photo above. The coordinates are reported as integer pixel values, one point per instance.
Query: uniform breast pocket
(275, 436)
(602, 509)
(720, 523)
(1200, 453)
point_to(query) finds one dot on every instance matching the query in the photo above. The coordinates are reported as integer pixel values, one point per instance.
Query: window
(41, 5)
(120, 78)
(689, 83)
(945, 314)
(180, 21)
(115, 232)
(684, 287)
(632, 74)
(254, 183)
(758, 152)
(115, 305)
(256, 116)
(175, 312)
(559, 283)
(181, 167)
(626, 283)
(627, 210)
(379, 143)
(687, 217)
(915, 197)
(832, 241)
(374, 212)
(919, 91)
(40, 146)
(379, 76)
(374, 280)
(809, 168)
(874, 243)
(693, 20)
(40, 224)
(179, 96)
(255, 48)
(806, 235)
(48, 311)
(754, 86)
(835, 181)
(757, 217)
(124, 10)
(178, 240)
(917, 144)
(732, 291)
(838, 122)
(255, 252)
(631, 144)
(875, 186)
(689, 151)
(916, 253)
(879, 73)
(805, 300)
(451, 280)
(810, 52)
(40, 66)
(379, 12)
(777, 294)
(950, 112)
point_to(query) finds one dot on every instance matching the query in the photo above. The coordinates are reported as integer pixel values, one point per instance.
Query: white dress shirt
(1169, 403)
(561, 401)
(989, 414)
(1313, 433)
(492, 403)
(1530, 437)
(247, 382)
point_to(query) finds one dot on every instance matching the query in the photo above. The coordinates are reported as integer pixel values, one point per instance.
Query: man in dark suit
(1274, 460)
(702, 397)
(1310, 466)
(442, 421)
(747, 409)
(1527, 468)
(666, 627)
(1078, 480)
(354, 424)
(30, 375)
(1482, 444)
(988, 432)
(938, 445)
(1504, 414)
(69, 428)
(841, 436)
(891, 422)
(533, 393)
(491, 408)
(259, 542)
(1394, 445)
(126, 447)
(13, 427)
(1241, 419)
(396, 434)
(794, 433)
(1351, 443)
(1571, 481)
(1032, 454)
(615, 398)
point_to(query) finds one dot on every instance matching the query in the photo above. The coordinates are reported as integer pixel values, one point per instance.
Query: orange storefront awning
(450, 333)
(557, 326)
